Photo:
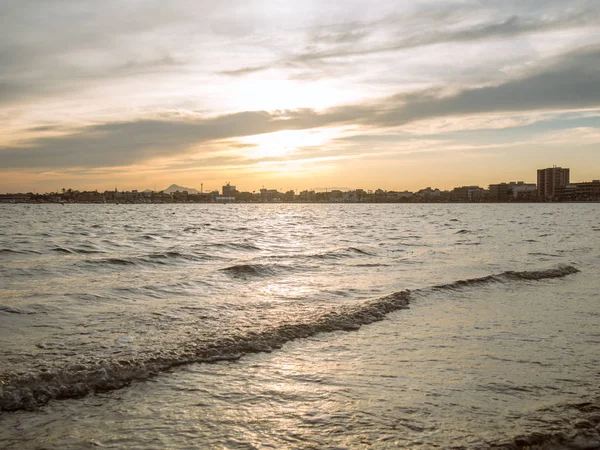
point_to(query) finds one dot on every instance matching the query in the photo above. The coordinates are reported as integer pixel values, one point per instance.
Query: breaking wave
(558, 272)
(28, 391)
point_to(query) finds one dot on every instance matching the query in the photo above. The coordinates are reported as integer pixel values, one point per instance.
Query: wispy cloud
(347, 44)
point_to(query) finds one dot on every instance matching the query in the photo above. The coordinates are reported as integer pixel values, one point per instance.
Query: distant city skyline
(549, 181)
(295, 95)
(202, 187)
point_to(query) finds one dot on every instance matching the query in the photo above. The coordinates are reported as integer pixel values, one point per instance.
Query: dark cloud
(570, 82)
(125, 143)
(573, 81)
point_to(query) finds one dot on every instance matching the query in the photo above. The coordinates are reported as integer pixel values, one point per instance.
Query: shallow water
(107, 294)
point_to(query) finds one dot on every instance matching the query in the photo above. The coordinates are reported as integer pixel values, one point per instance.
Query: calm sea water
(227, 326)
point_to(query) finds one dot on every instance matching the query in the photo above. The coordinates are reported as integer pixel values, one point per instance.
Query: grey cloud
(32, 84)
(124, 143)
(7, 92)
(49, 46)
(15, 91)
(570, 82)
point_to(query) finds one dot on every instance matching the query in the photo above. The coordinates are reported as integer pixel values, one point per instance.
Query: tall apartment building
(550, 181)
(228, 190)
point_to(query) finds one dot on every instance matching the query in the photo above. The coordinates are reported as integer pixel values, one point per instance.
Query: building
(223, 199)
(551, 181)
(270, 195)
(499, 192)
(307, 196)
(14, 198)
(588, 191)
(229, 191)
(429, 194)
(467, 194)
(515, 190)
(91, 197)
(581, 192)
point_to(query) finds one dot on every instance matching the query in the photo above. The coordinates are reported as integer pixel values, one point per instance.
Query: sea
(301, 326)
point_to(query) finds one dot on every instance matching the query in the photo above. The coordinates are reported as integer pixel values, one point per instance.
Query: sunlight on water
(99, 297)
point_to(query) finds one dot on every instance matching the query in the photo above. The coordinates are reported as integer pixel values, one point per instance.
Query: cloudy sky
(296, 94)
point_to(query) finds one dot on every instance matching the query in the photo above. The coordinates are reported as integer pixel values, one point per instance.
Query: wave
(29, 391)
(543, 254)
(71, 251)
(234, 246)
(161, 258)
(371, 265)
(339, 253)
(13, 310)
(84, 251)
(10, 251)
(530, 275)
(245, 270)
(580, 431)
(113, 261)
(256, 270)
(62, 250)
(176, 255)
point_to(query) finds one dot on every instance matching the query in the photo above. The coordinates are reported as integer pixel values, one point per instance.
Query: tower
(551, 181)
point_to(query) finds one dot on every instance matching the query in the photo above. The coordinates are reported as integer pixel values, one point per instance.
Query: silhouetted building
(499, 192)
(270, 195)
(588, 191)
(91, 197)
(428, 194)
(14, 198)
(519, 190)
(229, 191)
(551, 181)
(307, 196)
(467, 194)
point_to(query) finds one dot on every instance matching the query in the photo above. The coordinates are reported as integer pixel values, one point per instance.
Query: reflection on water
(467, 365)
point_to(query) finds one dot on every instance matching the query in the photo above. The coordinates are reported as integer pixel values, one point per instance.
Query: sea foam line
(33, 390)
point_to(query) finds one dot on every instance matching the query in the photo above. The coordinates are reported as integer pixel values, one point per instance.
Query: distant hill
(176, 187)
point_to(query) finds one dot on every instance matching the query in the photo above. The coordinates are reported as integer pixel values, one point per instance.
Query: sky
(397, 95)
